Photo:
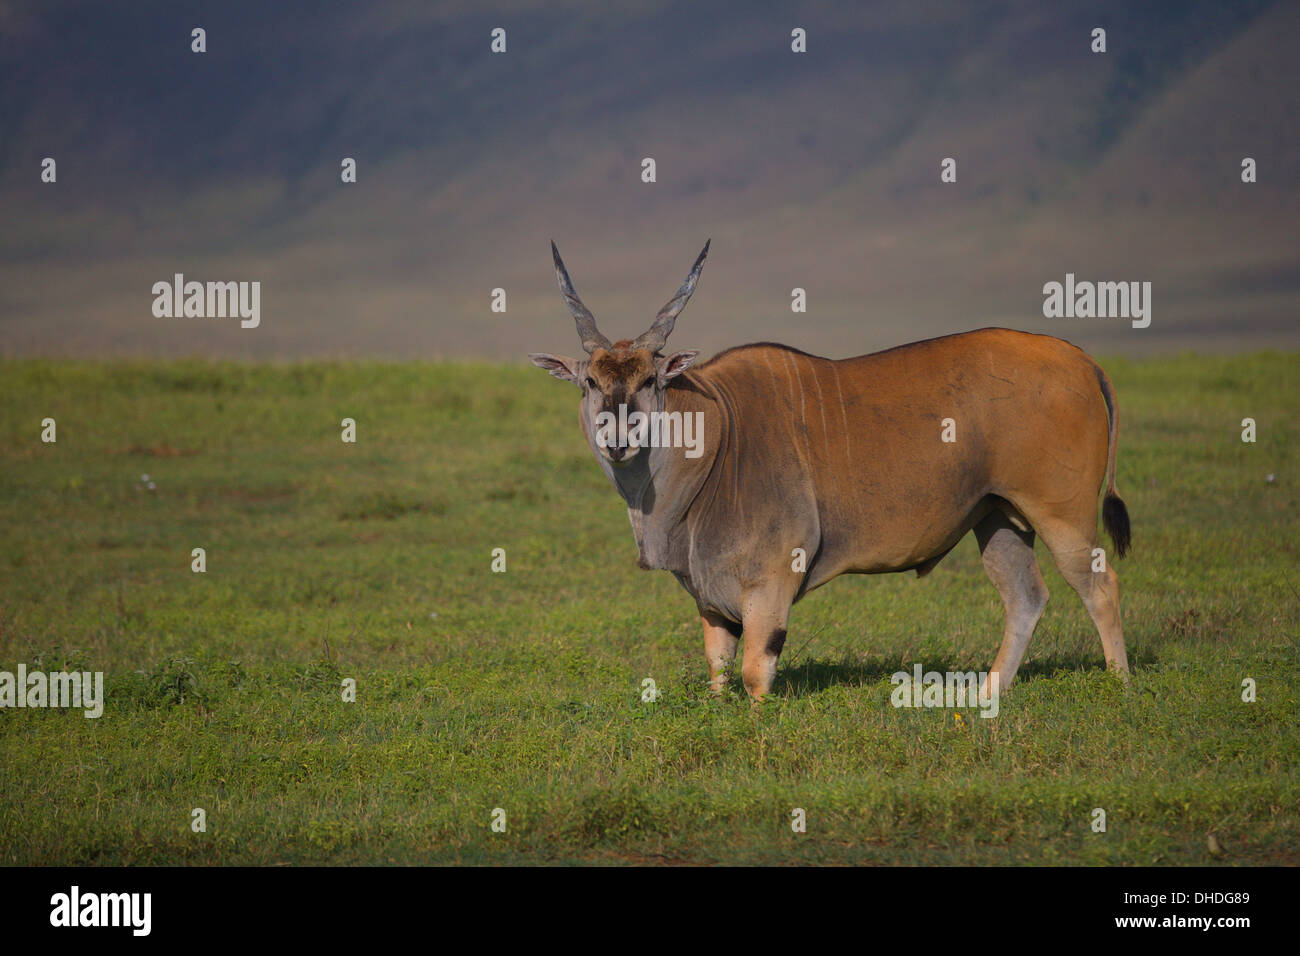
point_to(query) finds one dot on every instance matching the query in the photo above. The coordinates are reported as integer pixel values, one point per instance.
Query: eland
(808, 468)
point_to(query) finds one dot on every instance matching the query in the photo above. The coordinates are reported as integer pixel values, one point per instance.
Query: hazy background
(818, 170)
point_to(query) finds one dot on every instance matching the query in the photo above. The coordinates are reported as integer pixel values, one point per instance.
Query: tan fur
(844, 460)
(863, 483)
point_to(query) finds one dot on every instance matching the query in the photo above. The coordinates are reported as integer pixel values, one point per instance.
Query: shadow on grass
(815, 675)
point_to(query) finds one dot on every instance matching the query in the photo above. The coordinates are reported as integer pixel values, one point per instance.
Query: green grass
(522, 690)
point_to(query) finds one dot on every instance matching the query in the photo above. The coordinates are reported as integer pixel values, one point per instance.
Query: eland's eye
(591, 382)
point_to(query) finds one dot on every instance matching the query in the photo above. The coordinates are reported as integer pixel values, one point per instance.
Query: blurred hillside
(818, 170)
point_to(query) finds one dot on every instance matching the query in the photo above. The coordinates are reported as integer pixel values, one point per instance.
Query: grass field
(522, 690)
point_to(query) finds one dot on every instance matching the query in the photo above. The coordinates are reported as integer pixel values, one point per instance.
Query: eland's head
(620, 378)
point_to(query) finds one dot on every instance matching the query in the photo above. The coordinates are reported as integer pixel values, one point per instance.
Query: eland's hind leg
(1072, 544)
(1008, 556)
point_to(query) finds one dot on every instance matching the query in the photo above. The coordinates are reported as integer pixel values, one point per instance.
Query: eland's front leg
(764, 622)
(720, 639)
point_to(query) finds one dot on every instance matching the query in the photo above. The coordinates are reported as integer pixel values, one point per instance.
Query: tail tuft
(1114, 516)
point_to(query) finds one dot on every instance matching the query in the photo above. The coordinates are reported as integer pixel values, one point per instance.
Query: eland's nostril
(616, 452)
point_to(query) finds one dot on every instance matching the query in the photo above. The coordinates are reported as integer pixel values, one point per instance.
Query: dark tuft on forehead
(621, 365)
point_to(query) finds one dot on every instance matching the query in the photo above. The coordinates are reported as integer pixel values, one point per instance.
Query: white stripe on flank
(807, 443)
(848, 454)
(821, 407)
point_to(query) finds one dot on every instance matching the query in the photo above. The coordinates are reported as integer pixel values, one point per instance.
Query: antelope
(865, 465)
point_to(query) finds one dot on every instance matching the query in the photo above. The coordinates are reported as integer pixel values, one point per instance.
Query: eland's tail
(1114, 515)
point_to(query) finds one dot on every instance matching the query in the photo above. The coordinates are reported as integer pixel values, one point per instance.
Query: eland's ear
(675, 364)
(557, 365)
